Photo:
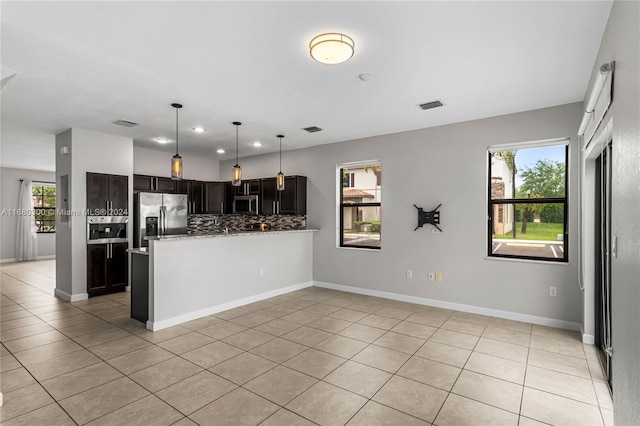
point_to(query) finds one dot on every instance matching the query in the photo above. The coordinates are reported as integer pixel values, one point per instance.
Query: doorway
(602, 261)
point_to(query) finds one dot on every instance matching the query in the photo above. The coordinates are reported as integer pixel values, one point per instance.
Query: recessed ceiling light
(256, 144)
(220, 151)
(161, 140)
(199, 129)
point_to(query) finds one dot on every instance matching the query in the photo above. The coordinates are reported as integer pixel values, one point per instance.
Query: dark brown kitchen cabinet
(248, 187)
(153, 183)
(268, 196)
(214, 197)
(194, 190)
(107, 195)
(291, 201)
(229, 193)
(107, 268)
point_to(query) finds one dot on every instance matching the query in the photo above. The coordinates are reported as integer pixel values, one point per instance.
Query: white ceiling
(87, 64)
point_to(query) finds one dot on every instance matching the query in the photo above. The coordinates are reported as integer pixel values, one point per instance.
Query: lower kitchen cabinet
(107, 268)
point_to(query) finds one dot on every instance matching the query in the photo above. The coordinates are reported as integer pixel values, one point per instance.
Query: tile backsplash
(208, 223)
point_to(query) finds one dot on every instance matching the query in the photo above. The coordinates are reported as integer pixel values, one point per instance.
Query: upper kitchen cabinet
(249, 187)
(153, 183)
(107, 195)
(291, 201)
(194, 190)
(268, 196)
(229, 193)
(214, 197)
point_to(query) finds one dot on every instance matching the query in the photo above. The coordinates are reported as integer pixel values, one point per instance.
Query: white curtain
(26, 243)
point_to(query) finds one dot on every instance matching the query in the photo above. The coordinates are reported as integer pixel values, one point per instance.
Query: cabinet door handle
(221, 208)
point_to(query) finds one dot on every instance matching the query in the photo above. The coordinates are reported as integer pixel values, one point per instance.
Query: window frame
(342, 205)
(564, 201)
(50, 218)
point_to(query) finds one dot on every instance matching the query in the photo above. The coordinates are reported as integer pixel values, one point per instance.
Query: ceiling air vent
(312, 129)
(125, 123)
(433, 104)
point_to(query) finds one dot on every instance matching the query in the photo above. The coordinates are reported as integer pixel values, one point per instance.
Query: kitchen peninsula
(192, 276)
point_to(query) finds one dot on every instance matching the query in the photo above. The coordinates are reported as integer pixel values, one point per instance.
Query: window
(360, 189)
(44, 204)
(527, 214)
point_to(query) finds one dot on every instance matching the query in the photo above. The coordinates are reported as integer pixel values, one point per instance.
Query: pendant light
(236, 177)
(280, 176)
(176, 160)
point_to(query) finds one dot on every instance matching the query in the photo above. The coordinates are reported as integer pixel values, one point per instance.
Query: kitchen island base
(194, 276)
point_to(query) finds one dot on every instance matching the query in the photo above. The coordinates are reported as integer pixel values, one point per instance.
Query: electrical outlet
(261, 272)
(431, 276)
(553, 291)
(409, 273)
(438, 276)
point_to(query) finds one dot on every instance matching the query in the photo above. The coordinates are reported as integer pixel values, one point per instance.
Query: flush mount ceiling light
(331, 48)
(176, 160)
(220, 151)
(161, 140)
(199, 129)
(256, 144)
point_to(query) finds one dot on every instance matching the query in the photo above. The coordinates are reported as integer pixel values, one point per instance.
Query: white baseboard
(514, 316)
(63, 295)
(587, 339)
(13, 259)
(170, 322)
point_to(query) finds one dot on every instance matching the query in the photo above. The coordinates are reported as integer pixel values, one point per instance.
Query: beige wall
(448, 165)
(621, 43)
(8, 223)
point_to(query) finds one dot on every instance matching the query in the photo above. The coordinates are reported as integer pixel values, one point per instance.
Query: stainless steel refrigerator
(165, 212)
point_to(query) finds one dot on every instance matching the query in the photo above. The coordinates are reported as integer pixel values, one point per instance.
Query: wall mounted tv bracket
(432, 217)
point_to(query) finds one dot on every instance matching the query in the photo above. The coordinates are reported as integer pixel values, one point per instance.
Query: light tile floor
(313, 356)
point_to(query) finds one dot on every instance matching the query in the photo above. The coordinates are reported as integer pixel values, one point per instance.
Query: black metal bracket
(431, 217)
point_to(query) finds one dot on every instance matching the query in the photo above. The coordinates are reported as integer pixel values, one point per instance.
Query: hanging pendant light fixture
(280, 175)
(236, 177)
(176, 160)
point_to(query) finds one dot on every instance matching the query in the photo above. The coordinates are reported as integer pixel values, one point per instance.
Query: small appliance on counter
(259, 227)
(159, 214)
(106, 229)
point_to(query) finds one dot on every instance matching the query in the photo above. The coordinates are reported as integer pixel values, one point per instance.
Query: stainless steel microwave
(245, 204)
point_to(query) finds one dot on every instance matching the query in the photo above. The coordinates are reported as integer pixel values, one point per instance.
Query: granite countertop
(230, 234)
(141, 250)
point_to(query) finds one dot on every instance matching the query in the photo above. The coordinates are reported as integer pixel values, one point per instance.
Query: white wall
(8, 223)
(87, 153)
(448, 165)
(192, 278)
(621, 43)
(158, 163)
